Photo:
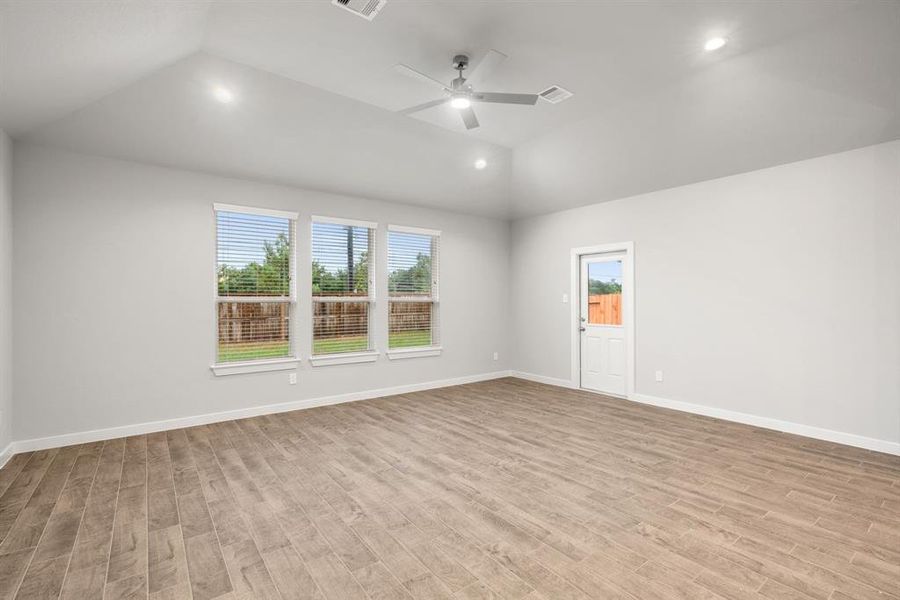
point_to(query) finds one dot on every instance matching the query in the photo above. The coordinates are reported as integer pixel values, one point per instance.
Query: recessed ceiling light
(223, 94)
(480, 164)
(460, 102)
(714, 43)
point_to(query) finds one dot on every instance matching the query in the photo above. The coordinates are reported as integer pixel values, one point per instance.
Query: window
(605, 292)
(255, 285)
(342, 290)
(413, 289)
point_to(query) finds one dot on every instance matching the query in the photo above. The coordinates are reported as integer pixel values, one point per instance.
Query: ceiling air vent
(555, 94)
(367, 9)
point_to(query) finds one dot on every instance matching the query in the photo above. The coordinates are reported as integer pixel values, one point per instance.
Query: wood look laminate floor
(503, 489)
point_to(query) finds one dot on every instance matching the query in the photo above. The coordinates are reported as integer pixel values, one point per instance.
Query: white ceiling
(605, 52)
(57, 56)
(651, 109)
(284, 131)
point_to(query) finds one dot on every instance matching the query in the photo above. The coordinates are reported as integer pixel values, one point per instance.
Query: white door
(603, 333)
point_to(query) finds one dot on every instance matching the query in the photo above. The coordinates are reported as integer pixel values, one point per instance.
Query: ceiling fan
(461, 93)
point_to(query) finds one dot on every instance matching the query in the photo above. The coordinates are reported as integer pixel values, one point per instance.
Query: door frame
(627, 310)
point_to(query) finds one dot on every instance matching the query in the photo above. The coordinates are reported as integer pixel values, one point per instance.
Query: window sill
(324, 360)
(256, 366)
(414, 352)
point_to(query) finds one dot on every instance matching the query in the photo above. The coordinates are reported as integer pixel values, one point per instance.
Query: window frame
(361, 356)
(435, 348)
(264, 364)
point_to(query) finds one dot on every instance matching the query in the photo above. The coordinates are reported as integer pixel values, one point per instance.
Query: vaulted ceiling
(316, 96)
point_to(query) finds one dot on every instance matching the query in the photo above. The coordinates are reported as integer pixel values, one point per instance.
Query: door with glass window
(603, 334)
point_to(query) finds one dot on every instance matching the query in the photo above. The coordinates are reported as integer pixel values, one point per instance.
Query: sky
(241, 237)
(329, 245)
(606, 271)
(242, 240)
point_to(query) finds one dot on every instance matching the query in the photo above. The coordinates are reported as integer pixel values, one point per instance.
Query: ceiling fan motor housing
(460, 62)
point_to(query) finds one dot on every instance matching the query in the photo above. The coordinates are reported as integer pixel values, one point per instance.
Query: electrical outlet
(496, 356)
(659, 376)
(565, 298)
(292, 379)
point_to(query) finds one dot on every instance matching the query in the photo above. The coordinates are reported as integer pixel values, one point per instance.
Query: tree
(413, 280)
(596, 286)
(325, 282)
(272, 277)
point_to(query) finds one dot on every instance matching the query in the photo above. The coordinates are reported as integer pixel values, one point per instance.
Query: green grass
(356, 343)
(359, 343)
(252, 351)
(350, 343)
(410, 339)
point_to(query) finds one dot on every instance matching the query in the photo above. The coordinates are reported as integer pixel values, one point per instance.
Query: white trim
(810, 431)
(628, 306)
(255, 299)
(544, 379)
(828, 435)
(342, 221)
(324, 360)
(401, 353)
(252, 210)
(97, 435)
(413, 298)
(7, 453)
(364, 299)
(419, 230)
(255, 366)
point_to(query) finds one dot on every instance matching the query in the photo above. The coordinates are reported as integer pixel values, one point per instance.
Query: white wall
(773, 293)
(114, 287)
(6, 294)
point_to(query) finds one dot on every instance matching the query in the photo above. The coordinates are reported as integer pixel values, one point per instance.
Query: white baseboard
(153, 426)
(544, 379)
(6, 454)
(838, 437)
(97, 435)
(819, 433)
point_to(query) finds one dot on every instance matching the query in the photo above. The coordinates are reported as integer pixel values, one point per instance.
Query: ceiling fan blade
(468, 117)
(410, 72)
(502, 98)
(486, 66)
(423, 106)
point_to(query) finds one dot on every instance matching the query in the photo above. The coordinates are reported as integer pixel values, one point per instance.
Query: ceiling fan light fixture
(460, 101)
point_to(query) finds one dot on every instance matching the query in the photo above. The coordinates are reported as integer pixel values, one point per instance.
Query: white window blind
(413, 286)
(255, 284)
(342, 289)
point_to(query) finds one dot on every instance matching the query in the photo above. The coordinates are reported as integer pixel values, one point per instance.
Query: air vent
(367, 9)
(555, 94)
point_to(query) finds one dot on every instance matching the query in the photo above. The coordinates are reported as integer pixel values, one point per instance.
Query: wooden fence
(409, 316)
(605, 309)
(241, 322)
(339, 319)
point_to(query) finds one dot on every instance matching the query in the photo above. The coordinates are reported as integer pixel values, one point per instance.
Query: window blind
(254, 284)
(342, 289)
(413, 285)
